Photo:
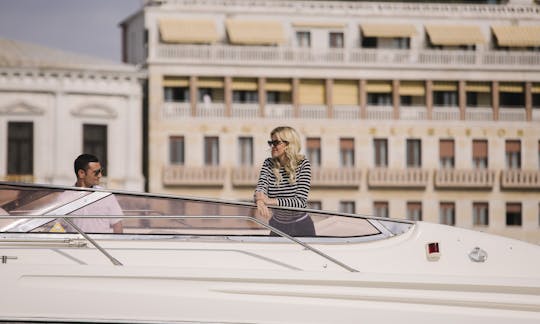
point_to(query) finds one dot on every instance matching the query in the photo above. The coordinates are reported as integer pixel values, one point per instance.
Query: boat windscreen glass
(147, 214)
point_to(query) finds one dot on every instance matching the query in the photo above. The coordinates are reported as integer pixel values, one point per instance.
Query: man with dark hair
(89, 171)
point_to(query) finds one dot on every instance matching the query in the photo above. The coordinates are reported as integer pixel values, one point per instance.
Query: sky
(82, 26)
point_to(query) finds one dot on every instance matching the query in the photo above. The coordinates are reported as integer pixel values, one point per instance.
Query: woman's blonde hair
(292, 152)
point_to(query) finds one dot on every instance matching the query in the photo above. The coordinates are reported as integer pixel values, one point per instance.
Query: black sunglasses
(277, 142)
(98, 171)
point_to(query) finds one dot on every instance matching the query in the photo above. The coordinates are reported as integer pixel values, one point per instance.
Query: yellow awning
(388, 30)
(452, 35)
(517, 36)
(445, 86)
(244, 84)
(210, 82)
(345, 92)
(255, 32)
(412, 88)
(478, 87)
(176, 82)
(379, 86)
(513, 87)
(281, 85)
(312, 92)
(188, 31)
(535, 88)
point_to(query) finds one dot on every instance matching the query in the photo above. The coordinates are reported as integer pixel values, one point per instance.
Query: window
(244, 96)
(336, 40)
(315, 205)
(348, 207)
(20, 154)
(513, 154)
(211, 150)
(346, 152)
(538, 154)
(480, 214)
(445, 98)
(380, 147)
(446, 154)
(95, 142)
(414, 153)
(447, 213)
(480, 154)
(401, 42)
(414, 211)
(313, 151)
(513, 214)
(369, 42)
(379, 99)
(245, 151)
(511, 99)
(380, 209)
(176, 94)
(176, 150)
(303, 38)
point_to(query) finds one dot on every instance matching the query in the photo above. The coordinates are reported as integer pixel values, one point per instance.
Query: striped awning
(445, 86)
(412, 88)
(472, 86)
(281, 85)
(319, 24)
(175, 81)
(517, 36)
(188, 31)
(255, 32)
(375, 86)
(248, 84)
(345, 92)
(511, 87)
(388, 30)
(452, 35)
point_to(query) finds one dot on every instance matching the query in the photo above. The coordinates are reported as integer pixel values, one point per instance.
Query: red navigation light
(432, 251)
(433, 248)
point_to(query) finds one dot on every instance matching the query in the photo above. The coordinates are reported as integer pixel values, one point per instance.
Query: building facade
(56, 105)
(407, 110)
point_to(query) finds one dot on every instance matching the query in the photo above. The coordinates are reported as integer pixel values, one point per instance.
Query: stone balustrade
(336, 177)
(395, 178)
(470, 179)
(179, 175)
(520, 179)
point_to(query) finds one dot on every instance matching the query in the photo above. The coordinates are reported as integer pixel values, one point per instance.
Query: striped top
(287, 194)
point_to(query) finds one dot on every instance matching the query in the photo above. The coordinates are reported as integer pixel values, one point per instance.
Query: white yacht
(190, 260)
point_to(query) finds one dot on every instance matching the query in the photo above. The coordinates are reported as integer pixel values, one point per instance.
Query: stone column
(395, 98)
(429, 99)
(296, 97)
(495, 99)
(362, 86)
(462, 99)
(261, 83)
(228, 96)
(528, 100)
(193, 94)
(329, 86)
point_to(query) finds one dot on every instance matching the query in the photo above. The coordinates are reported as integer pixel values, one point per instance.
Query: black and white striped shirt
(287, 194)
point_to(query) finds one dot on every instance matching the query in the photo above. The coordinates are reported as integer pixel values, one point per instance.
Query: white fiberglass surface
(154, 214)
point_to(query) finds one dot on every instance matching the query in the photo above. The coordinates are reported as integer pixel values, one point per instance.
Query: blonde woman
(285, 180)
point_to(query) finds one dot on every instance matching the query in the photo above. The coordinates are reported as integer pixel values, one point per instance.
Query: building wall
(396, 123)
(59, 103)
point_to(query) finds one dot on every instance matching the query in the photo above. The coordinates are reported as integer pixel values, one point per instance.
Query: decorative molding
(94, 111)
(21, 108)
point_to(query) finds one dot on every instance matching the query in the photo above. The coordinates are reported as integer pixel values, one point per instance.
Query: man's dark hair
(82, 161)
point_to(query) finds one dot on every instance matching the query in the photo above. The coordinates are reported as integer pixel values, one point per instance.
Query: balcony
(245, 176)
(336, 177)
(412, 178)
(479, 113)
(512, 114)
(413, 113)
(245, 110)
(380, 112)
(206, 176)
(278, 111)
(469, 179)
(446, 113)
(520, 179)
(175, 110)
(347, 57)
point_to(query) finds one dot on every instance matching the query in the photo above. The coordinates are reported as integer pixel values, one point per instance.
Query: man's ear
(81, 173)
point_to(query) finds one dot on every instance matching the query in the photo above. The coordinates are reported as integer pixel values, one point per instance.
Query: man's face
(91, 176)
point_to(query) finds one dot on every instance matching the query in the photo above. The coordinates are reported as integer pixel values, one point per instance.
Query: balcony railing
(179, 175)
(278, 111)
(395, 178)
(336, 177)
(172, 110)
(313, 111)
(380, 112)
(245, 176)
(471, 179)
(413, 113)
(245, 111)
(536, 114)
(520, 179)
(346, 112)
(210, 110)
(446, 113)
(350, 57)
(512, 114)
(479, 113)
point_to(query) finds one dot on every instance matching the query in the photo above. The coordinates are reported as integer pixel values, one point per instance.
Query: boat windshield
(37, 209)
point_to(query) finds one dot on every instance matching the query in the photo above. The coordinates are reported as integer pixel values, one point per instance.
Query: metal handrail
(248, 218)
